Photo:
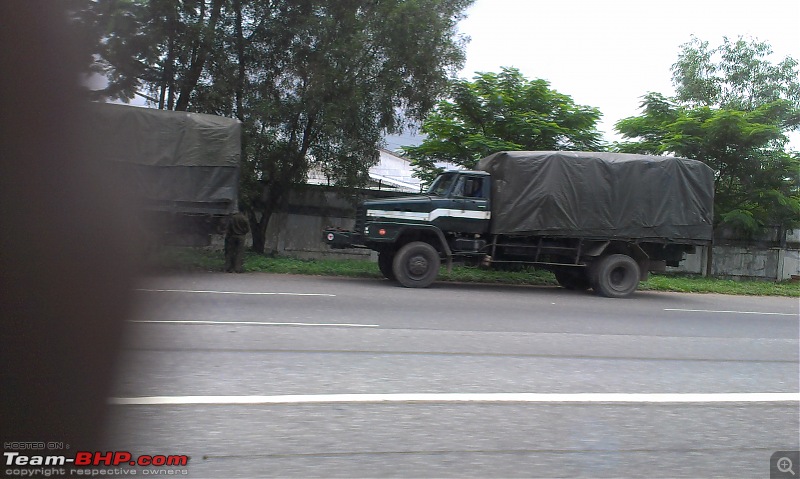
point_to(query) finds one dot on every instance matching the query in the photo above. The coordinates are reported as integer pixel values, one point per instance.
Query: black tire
(385, 261)
(615, 276)
(576, 280)
(416, 265)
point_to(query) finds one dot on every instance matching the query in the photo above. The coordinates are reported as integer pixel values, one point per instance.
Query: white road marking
(730, 312)
(234, 292)
(460, 397)
(256, 323)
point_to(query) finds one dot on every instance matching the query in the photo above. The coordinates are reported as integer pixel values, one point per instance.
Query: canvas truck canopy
(176, 161)
(601, 195)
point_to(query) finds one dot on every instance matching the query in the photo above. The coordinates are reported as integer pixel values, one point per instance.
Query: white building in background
(392, 172)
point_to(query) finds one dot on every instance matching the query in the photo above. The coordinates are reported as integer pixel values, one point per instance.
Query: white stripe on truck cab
(437, 213)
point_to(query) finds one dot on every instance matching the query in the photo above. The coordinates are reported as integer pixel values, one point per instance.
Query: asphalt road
(260, 375)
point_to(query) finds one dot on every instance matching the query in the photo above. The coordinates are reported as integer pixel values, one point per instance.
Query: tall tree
(501, 111)
(316, 82)
(155, 49)
(732, 111)
(341, 81)
(737, 75)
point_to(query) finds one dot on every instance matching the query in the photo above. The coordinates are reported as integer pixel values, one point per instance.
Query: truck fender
(643, 259)
(446, 248)
(442, 241)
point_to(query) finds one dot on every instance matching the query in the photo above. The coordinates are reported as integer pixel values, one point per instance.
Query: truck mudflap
(342, 239)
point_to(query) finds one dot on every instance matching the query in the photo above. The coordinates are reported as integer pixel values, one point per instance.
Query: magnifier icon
(785, 465)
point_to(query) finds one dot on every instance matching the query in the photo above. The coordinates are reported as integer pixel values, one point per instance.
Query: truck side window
(464, 186)
(473, 187)
(442, 185)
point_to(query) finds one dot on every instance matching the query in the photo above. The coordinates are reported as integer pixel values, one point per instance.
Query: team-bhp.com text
(86, 463)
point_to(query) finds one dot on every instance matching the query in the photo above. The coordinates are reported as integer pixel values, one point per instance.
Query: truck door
(471, 200)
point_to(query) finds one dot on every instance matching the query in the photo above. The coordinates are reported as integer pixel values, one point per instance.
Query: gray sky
(608, 53)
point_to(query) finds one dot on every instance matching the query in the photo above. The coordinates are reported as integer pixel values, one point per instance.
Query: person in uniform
(238, 227)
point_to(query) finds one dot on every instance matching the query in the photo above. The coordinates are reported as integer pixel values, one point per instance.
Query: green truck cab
(596, 220)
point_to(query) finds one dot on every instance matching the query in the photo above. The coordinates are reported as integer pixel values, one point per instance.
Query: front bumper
(342, 239)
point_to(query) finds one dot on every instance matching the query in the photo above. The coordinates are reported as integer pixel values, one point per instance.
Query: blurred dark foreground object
(66, 241)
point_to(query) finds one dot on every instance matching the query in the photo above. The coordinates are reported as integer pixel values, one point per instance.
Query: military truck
(596, 220)
(182, 167)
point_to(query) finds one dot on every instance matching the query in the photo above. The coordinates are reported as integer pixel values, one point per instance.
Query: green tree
(736, 75)
(345, 79)
(499, 112)
(157, 49)
(316, 82)
(732, 110)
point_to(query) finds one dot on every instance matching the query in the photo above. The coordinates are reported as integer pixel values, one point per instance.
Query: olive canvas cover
(601, 195)
(174, 161)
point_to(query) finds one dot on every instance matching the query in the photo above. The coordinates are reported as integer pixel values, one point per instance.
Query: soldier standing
(238, 227)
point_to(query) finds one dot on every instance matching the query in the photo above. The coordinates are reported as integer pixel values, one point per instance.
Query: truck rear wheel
(416, 265)
(616, 276)
(385, 261)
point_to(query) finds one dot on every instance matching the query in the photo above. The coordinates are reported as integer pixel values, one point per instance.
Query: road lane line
(729, 312)
(460, 397)
(254, 323)
(234, 292)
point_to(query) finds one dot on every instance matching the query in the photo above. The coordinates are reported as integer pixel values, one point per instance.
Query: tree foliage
(316, 82)
(732, 110)
(735, 75)
(498, 112)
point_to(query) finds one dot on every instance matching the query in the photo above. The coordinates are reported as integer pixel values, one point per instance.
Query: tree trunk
(270, 200)
(237, 6)
(189, 83)
(168, 78)
(259, 229)
(709, 259)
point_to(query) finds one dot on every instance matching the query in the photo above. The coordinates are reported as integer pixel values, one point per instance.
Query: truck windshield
(442, 185)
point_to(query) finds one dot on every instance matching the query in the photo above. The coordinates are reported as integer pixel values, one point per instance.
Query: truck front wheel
(385, 261)
(616, 276)
(416, 265)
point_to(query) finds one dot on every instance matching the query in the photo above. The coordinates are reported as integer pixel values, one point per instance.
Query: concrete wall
(789, 264)
(297, 231)
(745, 262)
(769, 257)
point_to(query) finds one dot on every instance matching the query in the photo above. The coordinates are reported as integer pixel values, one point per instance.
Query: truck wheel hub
(417, 265)
(618, 276)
